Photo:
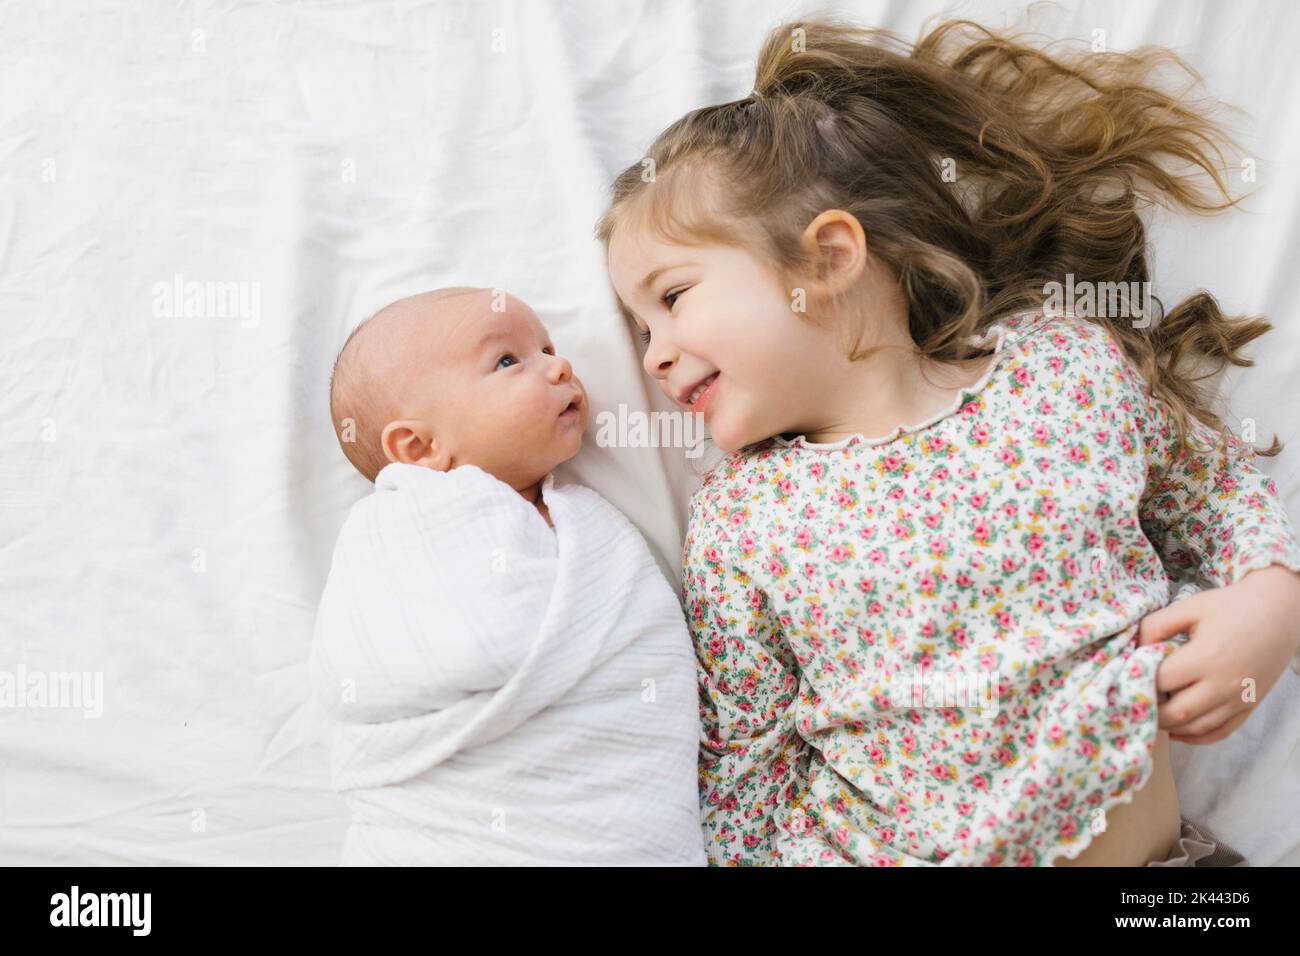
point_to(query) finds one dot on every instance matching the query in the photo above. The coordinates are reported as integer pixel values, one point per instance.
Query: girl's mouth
(702, 395)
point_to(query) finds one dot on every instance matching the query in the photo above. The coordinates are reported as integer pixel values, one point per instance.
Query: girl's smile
(701, 395)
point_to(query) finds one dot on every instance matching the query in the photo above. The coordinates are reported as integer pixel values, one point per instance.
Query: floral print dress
(848, 601)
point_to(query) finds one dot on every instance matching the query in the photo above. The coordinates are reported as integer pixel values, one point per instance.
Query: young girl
(934, 643)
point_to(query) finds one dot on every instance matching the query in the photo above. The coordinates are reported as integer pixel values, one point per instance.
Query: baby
(506, 674)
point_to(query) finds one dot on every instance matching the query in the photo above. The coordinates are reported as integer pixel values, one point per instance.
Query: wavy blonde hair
(1055, 152)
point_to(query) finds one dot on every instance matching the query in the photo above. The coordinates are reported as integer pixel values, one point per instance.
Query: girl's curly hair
(982, 169)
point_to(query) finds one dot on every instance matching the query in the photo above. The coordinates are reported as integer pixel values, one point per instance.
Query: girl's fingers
(1215, 735)
(1208, 723)
(1165, 623)
(1185, 667)
(1189, 704)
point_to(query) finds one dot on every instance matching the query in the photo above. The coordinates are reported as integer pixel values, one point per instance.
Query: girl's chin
(728, 439)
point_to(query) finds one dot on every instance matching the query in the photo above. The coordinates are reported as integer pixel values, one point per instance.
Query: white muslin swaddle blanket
(498, 692)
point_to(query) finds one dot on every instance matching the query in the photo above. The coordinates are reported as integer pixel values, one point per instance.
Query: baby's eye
(673, 296)
(504, 357)
(645, 337)
(549, 350)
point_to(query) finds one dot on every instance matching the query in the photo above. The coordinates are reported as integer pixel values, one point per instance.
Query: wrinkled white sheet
(170, 488)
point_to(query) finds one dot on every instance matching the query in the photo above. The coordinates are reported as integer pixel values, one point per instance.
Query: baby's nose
(561, 369)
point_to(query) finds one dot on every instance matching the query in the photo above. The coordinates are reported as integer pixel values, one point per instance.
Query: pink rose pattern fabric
(840, 595)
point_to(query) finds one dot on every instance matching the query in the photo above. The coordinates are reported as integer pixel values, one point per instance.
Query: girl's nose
(657, 359)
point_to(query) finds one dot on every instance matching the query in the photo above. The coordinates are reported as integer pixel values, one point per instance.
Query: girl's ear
(836, 242)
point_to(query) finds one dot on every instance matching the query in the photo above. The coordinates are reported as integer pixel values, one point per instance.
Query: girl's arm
(748, 687)
(1211, 511)
(1207, 511)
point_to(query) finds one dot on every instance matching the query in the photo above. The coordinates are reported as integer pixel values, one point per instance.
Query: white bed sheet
(170, 487)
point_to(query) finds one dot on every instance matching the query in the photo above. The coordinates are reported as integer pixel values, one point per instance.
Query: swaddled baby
(506, 674)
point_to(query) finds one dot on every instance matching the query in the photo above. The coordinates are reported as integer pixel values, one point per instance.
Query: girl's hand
(1248, 631)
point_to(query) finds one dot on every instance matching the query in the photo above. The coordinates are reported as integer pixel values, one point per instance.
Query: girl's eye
(507, 356)
(674, 295)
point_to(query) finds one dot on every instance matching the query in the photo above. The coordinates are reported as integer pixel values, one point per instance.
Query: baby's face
(493, 392)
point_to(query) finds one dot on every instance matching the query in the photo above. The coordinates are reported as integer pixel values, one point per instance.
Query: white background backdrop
(339, 155)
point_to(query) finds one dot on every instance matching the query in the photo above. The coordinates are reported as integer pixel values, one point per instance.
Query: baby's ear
(413, 442)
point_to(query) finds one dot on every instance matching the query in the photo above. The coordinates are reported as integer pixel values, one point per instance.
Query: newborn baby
(506, 675)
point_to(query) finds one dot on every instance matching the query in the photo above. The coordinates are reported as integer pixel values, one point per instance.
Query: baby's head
(457, 377)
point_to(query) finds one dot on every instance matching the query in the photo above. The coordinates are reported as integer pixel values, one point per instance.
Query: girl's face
(716, 317)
